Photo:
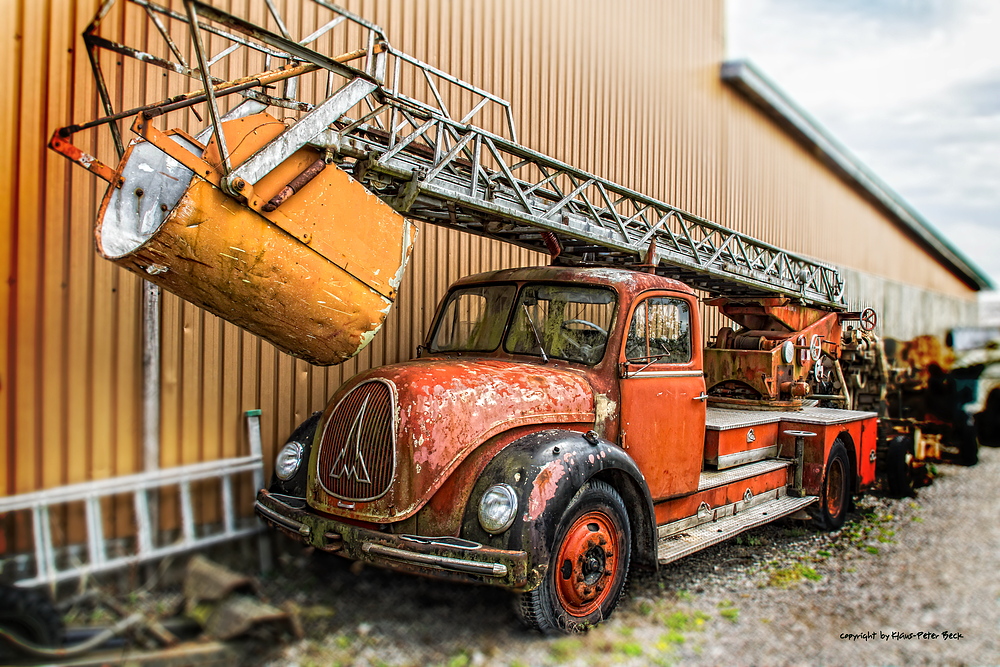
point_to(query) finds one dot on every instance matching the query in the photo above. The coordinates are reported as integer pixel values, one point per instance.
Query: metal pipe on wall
(150, 376)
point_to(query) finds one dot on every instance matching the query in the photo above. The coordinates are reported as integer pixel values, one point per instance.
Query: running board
(677, 545)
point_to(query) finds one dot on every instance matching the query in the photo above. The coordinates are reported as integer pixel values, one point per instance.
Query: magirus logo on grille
(349, 461)
(357, 455)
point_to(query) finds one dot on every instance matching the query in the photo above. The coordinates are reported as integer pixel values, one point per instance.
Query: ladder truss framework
(433, 147)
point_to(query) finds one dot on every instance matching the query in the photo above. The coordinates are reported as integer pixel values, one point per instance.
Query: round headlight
(288, 461)
(497, 508)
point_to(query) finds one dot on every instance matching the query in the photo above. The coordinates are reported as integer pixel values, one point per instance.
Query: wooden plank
(28, 263)
(83, 194)
(231, 417)
(8, 153)
(55, 278)
(55, 284)
(192, 384)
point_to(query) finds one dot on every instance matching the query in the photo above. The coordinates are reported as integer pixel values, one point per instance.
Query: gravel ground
(777, 595)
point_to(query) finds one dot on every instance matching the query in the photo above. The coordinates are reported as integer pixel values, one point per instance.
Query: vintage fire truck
(562, 424)
(554, 433)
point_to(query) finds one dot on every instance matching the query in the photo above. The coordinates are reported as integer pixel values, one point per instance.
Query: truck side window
(661, 327)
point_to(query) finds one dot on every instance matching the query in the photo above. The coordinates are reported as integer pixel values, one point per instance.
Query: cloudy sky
(911, 87)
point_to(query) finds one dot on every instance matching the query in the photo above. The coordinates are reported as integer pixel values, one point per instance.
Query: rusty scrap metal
(224, 602)
(205, 580)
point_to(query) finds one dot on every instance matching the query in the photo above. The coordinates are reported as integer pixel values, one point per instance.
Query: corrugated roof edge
(744, 77)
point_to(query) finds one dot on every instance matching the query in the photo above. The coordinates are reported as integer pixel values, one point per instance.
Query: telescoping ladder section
(387, 122)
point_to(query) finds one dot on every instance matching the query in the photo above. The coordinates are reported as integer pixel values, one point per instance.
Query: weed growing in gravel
(728, 611)
(749, 540)
(681, 621)
(672, 638)
(616, 651)
(785, 577)
(562, 650)
(678, 623)
(462, 659)
(861, 534)
(629, 649)
(730, 614)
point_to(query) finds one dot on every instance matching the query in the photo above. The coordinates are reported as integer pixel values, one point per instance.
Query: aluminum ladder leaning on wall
(140, 486)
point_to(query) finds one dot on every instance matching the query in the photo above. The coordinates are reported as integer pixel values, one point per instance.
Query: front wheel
(588, 565)
(835, 495)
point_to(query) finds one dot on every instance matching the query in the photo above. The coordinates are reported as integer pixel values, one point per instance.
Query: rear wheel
(968, 443)
(835, 495)
(898, 473)
(588, 566)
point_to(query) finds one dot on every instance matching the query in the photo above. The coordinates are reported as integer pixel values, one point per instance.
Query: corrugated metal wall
(630, 91)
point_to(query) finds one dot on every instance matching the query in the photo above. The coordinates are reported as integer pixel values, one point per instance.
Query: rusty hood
(392, 435)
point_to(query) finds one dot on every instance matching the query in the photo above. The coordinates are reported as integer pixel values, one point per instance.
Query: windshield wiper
(534, 330)
(638, 360)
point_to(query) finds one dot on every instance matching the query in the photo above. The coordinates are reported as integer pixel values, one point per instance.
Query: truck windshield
(473, 319)
(559, 321)
(565, 321)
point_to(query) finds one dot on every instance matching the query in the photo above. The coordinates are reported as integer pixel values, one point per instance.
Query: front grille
(357, 454)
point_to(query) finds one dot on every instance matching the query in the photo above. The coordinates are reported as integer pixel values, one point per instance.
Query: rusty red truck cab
(551, 434)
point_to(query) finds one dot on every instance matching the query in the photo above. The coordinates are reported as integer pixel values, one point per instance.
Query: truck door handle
(702, 397)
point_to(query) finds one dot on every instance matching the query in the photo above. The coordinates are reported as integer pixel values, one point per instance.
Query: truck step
(710, 478)
(677, 545)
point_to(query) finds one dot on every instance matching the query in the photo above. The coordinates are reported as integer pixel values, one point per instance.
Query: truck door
(663, 393)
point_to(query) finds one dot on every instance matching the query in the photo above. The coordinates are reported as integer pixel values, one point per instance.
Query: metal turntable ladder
(427, 162)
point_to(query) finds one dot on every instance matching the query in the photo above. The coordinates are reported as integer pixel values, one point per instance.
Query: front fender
(546, 469)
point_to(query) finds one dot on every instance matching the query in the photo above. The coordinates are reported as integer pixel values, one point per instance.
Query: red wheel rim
(835, 487)
(587, 562)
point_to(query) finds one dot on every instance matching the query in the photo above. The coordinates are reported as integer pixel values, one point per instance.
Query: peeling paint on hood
(447, 408)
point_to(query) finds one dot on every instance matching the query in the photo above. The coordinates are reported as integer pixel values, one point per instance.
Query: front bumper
(442, 557)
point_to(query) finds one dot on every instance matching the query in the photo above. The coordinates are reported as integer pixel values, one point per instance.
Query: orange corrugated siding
(630, 91)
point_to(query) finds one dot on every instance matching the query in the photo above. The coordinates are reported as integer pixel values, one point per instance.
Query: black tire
(968, 443)
(29, 616)
(574, 596)
(835, 494)
(898, 475)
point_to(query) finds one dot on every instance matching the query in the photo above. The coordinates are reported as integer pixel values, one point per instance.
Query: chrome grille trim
(356, 460)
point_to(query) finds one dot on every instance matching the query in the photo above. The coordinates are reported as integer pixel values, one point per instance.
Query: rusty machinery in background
(923, 392)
